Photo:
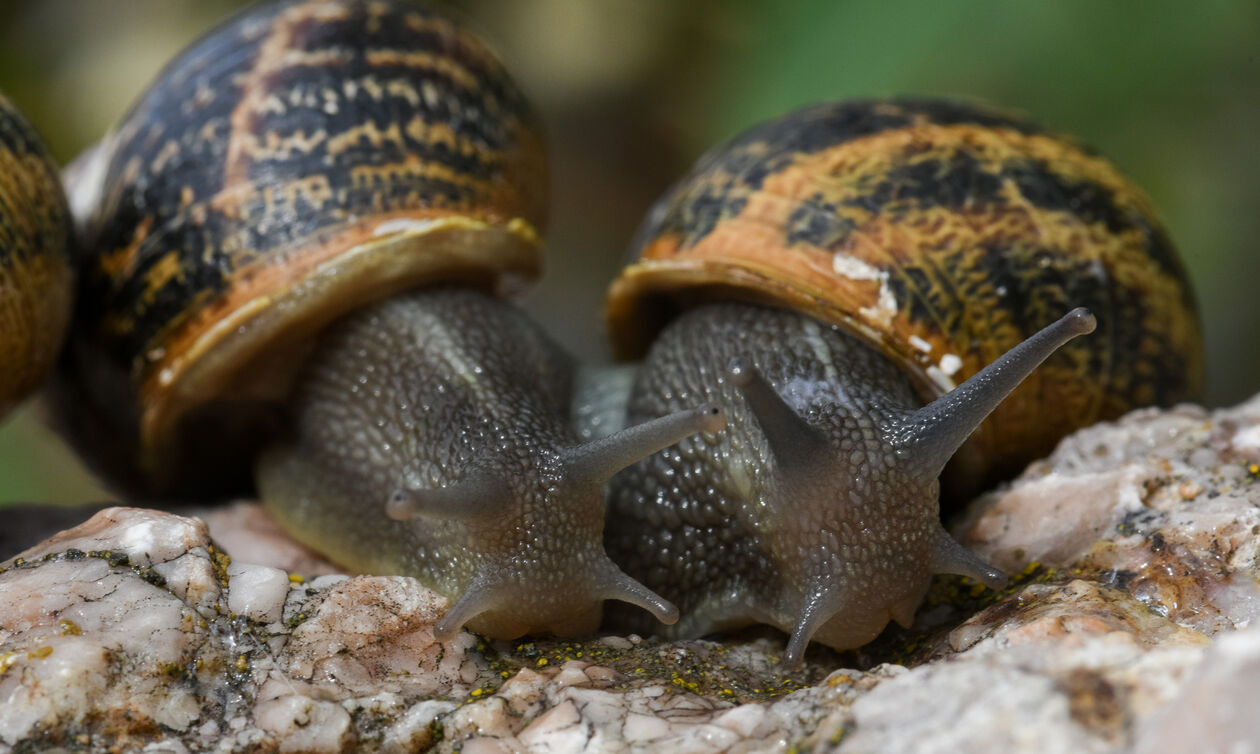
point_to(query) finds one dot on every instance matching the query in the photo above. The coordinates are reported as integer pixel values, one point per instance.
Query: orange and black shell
(299, 161)
(36, 266)
(943, 233)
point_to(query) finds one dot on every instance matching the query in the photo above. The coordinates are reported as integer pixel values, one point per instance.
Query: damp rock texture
(1127, 628)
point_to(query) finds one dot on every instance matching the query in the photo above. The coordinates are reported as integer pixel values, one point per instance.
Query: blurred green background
(632, 91)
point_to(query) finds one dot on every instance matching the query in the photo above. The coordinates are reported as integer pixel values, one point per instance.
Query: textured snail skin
(36, 277)
(816, 511)
(450, 409)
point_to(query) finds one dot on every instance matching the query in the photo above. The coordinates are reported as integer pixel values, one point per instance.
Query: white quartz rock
(88, 622)
(257, 592)
(1215, 710)
(1126, 632)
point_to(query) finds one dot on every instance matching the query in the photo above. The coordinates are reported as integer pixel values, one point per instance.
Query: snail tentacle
(815, 612)
(596, 461)
(618, 586)
(950, 557)
(476, 599)
(929, 437)
(792, 440)
(479, 494)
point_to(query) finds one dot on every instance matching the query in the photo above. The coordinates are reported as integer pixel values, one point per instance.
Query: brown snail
(36, 265)
(824, 276)
(300, 225)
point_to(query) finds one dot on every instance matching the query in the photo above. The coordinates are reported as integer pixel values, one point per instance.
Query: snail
(838, 279)
(36, 259)
(295, 238)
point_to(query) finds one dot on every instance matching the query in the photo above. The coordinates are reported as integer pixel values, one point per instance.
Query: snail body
(297, 237)
(455, 409)
(36, 259)
(876, 255)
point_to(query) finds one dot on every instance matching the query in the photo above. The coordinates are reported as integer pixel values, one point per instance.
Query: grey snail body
(432, 438)
(816, 510)
(894, 271)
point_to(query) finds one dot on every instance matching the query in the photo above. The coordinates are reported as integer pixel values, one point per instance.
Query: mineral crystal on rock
(1134, 547)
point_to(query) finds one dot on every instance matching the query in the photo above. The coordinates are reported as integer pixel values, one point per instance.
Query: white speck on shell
(84, 179)
(942, 373)
(856, 269)
(920, 344)
(940, 378)
(405, 225)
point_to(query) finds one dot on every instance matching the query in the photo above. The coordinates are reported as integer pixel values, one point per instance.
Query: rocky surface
(1128, 628)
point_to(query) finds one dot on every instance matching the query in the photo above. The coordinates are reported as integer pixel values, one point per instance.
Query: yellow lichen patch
(702, 668)
(68, 627)
(685, 684)
(220, 560)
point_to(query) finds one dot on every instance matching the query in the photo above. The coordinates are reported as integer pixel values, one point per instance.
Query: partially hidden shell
(943, 234)
(299, 161)
(36, 265)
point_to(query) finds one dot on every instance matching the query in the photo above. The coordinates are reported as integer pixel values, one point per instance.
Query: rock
(1127, 628)
(252, 536)
(1214, 710)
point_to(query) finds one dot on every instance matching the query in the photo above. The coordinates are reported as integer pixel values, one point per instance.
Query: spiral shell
(944, 234)
(36, 266)
(299, 161)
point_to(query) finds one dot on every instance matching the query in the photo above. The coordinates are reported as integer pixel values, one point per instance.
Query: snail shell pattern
(943, 234)
(36, 265)
(301, 160)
